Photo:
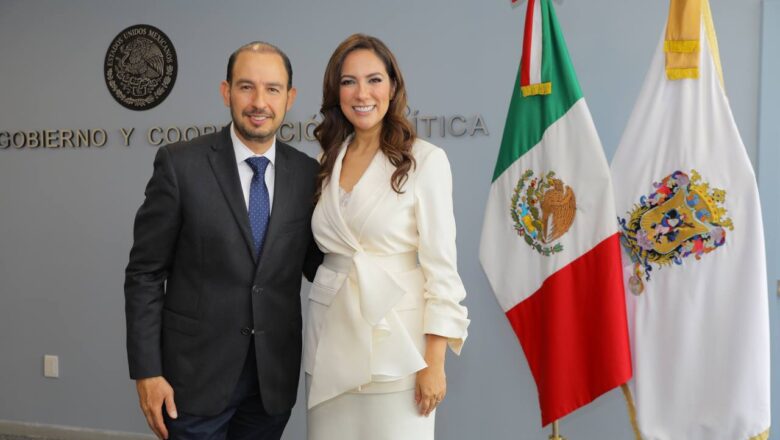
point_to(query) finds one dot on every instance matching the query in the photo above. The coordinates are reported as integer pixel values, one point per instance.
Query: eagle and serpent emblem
(140, 67)
(543, 209)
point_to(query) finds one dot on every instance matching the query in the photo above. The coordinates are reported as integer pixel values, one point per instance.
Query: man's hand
(152, 393)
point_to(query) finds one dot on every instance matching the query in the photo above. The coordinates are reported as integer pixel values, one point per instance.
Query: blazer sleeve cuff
(143, 372)
(144, 362)
(450, 327)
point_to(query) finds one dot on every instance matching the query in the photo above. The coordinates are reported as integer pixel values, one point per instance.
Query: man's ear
(224, 89)
(291, 94)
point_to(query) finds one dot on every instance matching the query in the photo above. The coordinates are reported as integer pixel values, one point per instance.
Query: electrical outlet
(51, 365)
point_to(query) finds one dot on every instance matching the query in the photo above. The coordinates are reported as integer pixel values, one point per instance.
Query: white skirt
(377, 416)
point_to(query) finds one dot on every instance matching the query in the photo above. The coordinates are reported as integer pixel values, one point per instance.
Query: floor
(18, 437)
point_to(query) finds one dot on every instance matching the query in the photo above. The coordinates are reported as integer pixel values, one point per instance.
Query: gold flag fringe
(537, 89)
(681, 43)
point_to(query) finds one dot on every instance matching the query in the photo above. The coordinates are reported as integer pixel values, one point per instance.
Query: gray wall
(768, 178)
(66, 215)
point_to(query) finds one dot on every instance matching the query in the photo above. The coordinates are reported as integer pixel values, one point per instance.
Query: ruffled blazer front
(389, 277)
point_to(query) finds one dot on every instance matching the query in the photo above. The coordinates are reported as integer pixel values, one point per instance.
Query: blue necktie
(259, 204)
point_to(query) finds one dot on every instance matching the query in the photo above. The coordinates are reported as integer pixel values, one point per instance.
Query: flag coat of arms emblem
(550, 243)
(692, 235)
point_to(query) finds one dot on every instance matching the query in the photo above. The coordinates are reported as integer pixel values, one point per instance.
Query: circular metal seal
(140, 67)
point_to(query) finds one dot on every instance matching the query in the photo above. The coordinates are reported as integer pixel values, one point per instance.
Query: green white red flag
(550, 243)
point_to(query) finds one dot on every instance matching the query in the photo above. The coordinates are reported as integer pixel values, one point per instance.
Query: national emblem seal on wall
(683, 216)
(543, 209)
(140, 67)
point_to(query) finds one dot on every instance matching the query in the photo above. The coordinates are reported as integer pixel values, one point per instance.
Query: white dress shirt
(245, 172)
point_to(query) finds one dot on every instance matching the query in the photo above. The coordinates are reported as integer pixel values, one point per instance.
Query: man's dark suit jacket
(194, 291)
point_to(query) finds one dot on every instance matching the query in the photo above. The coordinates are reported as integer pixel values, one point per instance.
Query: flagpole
(555, 434)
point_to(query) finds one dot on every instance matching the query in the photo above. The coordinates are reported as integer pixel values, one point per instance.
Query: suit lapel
(283, 193)
(223, 163)
(330, 202)
(369, 193)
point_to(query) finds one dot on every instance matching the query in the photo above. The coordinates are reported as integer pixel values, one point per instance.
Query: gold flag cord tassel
(681, 43)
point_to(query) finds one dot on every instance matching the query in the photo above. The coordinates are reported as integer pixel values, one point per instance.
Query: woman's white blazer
(389, 277)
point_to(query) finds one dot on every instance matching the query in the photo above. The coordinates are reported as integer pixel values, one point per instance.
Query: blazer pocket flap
(180, 323)
(326, 284)
(322, 294)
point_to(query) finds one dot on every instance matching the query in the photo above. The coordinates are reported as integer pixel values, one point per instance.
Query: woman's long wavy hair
(397, 134)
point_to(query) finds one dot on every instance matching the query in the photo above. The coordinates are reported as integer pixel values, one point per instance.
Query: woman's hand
(431, 384)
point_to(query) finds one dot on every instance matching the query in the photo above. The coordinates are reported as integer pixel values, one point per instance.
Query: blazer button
(246, 331)
(257, 290)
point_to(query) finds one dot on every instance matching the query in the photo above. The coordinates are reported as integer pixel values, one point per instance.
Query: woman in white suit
(384, 304)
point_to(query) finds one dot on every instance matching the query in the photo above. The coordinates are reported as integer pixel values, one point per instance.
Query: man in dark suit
(212, 289)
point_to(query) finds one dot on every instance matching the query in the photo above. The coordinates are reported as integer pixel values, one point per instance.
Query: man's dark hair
(260, 47)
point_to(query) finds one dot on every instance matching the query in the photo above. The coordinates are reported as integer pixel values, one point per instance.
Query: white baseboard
(66, 432)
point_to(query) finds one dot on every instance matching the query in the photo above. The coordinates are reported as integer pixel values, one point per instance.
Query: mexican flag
(550, 243)
(693, 240)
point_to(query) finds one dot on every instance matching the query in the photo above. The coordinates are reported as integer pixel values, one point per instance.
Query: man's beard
(247, 133)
